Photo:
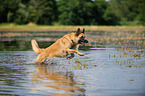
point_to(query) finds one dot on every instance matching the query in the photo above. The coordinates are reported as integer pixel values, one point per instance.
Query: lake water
(113, 65)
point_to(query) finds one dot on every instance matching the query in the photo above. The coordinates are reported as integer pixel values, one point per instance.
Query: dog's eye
(83, 37)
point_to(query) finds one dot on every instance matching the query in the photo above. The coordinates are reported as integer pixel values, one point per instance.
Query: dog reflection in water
(56, 80)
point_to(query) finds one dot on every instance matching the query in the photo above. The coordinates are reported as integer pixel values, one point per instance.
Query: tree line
(73, 12)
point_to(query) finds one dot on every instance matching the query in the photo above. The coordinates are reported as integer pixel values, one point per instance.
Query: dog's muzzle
(82, 41)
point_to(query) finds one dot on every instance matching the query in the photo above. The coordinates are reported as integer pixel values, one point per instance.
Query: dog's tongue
(83, 43)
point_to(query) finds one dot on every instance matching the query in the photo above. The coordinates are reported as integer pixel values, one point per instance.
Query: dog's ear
(78, 32)
(83, 30)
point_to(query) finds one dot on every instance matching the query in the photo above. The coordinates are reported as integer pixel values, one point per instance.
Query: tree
(36, 11)
(110, 18)
(128, 10)
(8, 10)
(85, 12)
(22, 14)
(75, 12)
(98, 11)
(141, 10)
(47, 11)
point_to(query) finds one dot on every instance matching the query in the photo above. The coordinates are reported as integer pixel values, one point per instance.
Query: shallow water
(104, 70)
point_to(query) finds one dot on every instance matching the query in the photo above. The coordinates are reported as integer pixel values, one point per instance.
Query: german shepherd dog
(62, 47)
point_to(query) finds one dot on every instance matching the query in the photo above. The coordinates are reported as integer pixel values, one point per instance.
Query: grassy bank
(14, 27)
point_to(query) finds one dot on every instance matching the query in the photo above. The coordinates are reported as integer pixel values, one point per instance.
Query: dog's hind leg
(41, 58)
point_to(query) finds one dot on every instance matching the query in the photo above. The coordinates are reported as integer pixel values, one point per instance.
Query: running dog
(62, 47)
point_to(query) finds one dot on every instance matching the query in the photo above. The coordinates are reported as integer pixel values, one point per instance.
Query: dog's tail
(35, 46)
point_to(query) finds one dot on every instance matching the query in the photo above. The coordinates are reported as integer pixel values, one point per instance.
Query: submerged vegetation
(130, 40)
(112, 54)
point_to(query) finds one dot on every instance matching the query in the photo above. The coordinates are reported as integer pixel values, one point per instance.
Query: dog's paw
(68, 58)
(81, 54)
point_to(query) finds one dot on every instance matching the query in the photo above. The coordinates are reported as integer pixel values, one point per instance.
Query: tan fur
(61, 48)
(35, 46)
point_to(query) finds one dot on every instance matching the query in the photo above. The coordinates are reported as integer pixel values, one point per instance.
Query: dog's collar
(72, 41)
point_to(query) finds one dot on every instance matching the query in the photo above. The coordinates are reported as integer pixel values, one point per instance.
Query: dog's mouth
(83, 42)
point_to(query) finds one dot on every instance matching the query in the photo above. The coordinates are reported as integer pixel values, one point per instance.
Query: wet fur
(61, 48)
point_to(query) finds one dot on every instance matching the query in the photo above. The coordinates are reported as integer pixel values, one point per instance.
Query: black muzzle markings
(82, 40)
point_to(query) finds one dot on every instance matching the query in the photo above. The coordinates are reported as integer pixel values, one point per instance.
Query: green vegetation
(15, 27)
(73, 12)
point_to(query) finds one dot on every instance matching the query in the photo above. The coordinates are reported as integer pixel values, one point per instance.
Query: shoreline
(38, 28)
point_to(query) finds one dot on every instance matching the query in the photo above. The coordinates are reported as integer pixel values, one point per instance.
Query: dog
(62, 47)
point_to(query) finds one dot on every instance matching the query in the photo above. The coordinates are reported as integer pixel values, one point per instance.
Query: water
(106, 69)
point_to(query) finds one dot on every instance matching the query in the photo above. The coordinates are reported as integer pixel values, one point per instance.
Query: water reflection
(58, 82)
(12, 79)
(19, 76)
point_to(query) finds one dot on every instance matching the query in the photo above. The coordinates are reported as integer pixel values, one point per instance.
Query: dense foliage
(73, 12)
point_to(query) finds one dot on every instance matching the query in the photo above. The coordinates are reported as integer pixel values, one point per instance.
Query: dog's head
(80, 36)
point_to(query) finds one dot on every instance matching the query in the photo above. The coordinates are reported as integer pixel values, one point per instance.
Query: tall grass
(15, 27)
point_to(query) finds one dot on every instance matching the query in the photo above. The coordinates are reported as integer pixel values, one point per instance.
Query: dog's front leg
(77, 46)
(74, 51)
(72, 55)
